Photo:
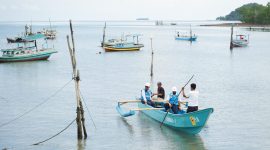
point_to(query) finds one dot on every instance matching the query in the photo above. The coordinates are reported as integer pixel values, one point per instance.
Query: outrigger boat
(27, 51)
(124, 45)
(191, 123)
(240, 41)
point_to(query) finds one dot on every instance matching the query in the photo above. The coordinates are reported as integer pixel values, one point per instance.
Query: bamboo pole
(142, 109)
(76, 76)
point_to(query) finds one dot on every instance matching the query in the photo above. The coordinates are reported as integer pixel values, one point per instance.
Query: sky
(42, 10)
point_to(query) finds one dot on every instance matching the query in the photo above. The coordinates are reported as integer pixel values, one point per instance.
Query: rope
(88, 111)
(56, 133)
(30, 110)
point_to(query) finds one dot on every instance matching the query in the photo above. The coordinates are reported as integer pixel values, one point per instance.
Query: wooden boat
(20, 39)
(191, 123)
(27, 51)
(49, 33)
(185, 36)
(124, 45)
(240, 41)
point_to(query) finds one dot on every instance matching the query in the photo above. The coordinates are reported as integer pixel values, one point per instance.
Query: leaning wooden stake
(76, 76)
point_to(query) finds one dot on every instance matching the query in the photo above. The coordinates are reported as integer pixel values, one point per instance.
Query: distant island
(251, 13)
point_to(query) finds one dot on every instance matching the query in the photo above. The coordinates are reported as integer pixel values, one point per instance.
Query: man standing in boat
(160, 91)
(173, 102)
(146, 95)
(192, 98)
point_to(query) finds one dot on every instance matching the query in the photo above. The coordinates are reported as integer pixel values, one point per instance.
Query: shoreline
(236, 25)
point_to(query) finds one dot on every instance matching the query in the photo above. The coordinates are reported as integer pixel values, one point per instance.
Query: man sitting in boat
(146, 95)
(160, 91)
(192, 98)
(173, 102)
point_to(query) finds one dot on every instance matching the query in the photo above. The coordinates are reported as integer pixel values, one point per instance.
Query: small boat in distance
(240, 40)
(20, 39)
(27, 51)
(124, 45)
(185, 36)
(49, 33)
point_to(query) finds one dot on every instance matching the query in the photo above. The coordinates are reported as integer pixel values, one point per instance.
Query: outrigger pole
(76, 76)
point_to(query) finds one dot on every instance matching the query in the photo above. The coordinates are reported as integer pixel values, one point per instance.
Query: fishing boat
(124, 45)
(240, 41)
(191, 123)
(20, 39)
(185, 36)
(27, 51)
(49, 33)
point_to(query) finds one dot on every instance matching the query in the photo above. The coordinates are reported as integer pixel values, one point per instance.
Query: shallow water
(235, 83)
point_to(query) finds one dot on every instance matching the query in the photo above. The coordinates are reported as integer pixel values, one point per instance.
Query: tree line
(252, 13)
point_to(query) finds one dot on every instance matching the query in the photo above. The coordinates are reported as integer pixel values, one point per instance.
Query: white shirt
(193, 98)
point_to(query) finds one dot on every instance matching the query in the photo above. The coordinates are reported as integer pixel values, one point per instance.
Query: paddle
(177, 96)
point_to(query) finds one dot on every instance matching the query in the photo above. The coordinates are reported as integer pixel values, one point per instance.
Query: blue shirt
(173, 99)
(146, 95)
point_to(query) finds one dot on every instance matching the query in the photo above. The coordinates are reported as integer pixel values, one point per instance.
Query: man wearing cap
(192, 98)
(146, 95)
(173, 102)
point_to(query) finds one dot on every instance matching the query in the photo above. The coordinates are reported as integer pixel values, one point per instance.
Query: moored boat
(191, 123)
(27, 51)
(240, 41)
(185, 36)
(124, 45)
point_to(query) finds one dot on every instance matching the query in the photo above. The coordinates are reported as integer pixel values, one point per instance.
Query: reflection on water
(81, 144)
(168, 136)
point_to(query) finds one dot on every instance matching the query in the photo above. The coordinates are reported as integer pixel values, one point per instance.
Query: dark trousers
(192, 108)
(174, 108)
(151, 103)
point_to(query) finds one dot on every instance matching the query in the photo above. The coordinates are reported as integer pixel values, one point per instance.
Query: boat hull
(191, 123)
(34, 57)
(186, 38)
(239, 44)
(113, 48)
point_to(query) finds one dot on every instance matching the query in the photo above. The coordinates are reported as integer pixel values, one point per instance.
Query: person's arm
(184, 95)
(143, 95)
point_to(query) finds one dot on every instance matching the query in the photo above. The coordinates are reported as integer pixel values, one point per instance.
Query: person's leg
(175, 109)
(151, 103)
(142, 101)
(166, 106)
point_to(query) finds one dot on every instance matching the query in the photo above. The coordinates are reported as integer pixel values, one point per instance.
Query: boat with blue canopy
(28, 51)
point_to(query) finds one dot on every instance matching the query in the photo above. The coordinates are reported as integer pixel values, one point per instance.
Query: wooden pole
(103, 38)
(76, 76)
(231, 43)
(152, 60)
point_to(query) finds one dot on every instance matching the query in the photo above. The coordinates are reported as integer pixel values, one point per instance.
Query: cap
(174, 89)
(147, 84)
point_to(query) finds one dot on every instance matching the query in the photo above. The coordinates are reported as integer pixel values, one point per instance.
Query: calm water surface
(235, 83)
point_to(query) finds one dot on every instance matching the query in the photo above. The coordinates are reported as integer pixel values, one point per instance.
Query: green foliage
(250, 13)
